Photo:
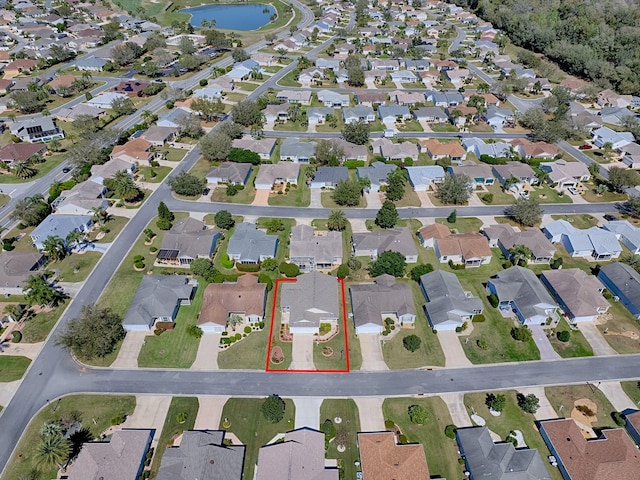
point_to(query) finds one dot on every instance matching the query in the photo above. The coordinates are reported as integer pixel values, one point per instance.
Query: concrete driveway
(316, 198)
(425, 199)
(370, 412)
(302, 352)
(208, 348)
(455, 404)
(262, 197)
(209, 412)
(373, 200)
(130, 349)
(596, 340)
(150, 412)
(307, 412)
(544, 345)
(372, 358)
(453, 353)
(358, 225)
(617, 397)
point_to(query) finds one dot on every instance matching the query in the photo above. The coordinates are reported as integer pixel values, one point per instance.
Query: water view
(232, 16)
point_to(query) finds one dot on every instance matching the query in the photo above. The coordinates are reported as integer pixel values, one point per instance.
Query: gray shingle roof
(311, 299)
(446, 299)
(250, 244)
(292, 147)
(371, 300)
(233, 172)
(377, 172)
(323, 249)
(395, 239)
(521, 286)
(331, 174)
(626, 279)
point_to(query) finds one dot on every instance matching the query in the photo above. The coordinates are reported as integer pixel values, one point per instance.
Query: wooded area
(594, 39)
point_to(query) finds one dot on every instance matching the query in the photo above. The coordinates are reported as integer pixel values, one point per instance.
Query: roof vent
(212, 461)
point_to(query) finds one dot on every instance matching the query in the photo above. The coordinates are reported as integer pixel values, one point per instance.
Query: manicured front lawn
(289, 80)
(250, 353)
(251, 428)
(462, 225)
(430, 352)
(566, 395)
(247, 86)
(410, 198)
(500, 197)
(147, 173)
(175, 348)
(174, 154)
(37, 328)
(632, 389)
(75, 267)
(326, 197)
(115, 226)
(12, 367)
(443, 127)
(441, 451)
(410, 126)
(347, 411)
(620, 329)
(511, 418)
(96, 411)
(173, 427)
(579, 221)
(297, 196)
(577, 346)
(42, 168)
(287, 347)
(546, 194)
(244, 196)
(338, 359)
(201, 168)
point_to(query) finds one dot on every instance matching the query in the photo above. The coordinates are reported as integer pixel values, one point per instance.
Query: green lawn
(174, 154)
(146, 173)
(4, 199)
(511, 418)
(326, 197)
(43, 168)
(441, 451)
(244, 196)
(500, 197)
(115, 226)
(290, 126)
(247, 86)
(430, 352)
(577, 346)
(251, 428)
(347, 411)
(565, 396)
(38, 327)
(619, 329)
(12, 367)
(283, 243)
(632, 389)
(24, 244)
(546, 194)
(97, 412)
(410, 126)
(297, 196)
(462, 225)
(172, 427)
(248, 354)
(175, 348)
(287, 347)
(443, 127)
(75, 267)
(201, 167)
(289, 80)
(410, 198)
(338, 360)
(579, 221)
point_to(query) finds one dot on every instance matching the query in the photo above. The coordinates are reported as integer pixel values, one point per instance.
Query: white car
(572, 190)
(525, 195)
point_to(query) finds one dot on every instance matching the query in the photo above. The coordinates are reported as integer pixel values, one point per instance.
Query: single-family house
(407, 98)
(444, 99)
(416, 65)
(610, 98)
(202, 454)
(333, 99)
(158, 299)
(299, 456)
(245, 297)
(499, 117)
(386, 64)
(173, 117)
(395, 151)
(60, 226)
(627, 233)
(105, 99)
(61, 82)
(16, 268)
(403, 76)
(318, 115)
(617, 139)
(36, 129)
(506, 237)
(631, 155)
(230, 173)
(243, 70)
(159, 136)
(577, 293)
(311, 250)
(382, 457)
(276, 113)
(309, 301)
(376, 173)
(277, 174)
(611, 455)
(471, 249)
(448, 305)
(90, 64)
(83, 199)
(422, 178)
(122, 457)
(330, 63)
(372, 244)
(623, 281)
(591, 243)
(529, 149)
(479, 148)
(99, 173)
(131, 88)
(296, 151)
(370, 98)
(187, 240)
(518, 170)
(430, 115)
(136, 150)
(392, 113)
(615, 115)
(633, 424)
(498, 461)
(478, 174)
(360, 113)
(328, 177)
(70, 114)
(18, 66)
(438, 150)
(518, 289)
(263, 147)
(21, 152)
(250, 245)
(308, 75)
(303, 97)
(566, 174)
(372, 303)
(353, 151)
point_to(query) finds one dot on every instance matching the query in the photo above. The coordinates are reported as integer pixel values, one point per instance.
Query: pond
(247, 16)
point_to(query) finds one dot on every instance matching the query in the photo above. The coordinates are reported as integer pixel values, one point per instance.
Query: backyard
(246, 421)
(347, 411)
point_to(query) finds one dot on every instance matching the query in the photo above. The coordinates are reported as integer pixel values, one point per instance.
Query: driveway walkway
(29, 350)
(455, 404)
(373, 200)
(207, 358)
(425, 199)
(544, 345)
(358, 225)
(617, 397)
(316, 198)
(262, 197)
(150, 412)
(372, 358)
(302, 352)
(453, 353)
(209, 412)
(130, 349)
(595, 339)
(307, 412)
(370, 412)
(545, 410)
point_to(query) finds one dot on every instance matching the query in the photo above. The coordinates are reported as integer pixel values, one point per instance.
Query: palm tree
(23, 169)
(146, 115)
(519, 252)
(124, 186)
(101, 216)
(337, 220)
(55, 248)
(75, 237)
(50, 429)
(234, 319)
(55, 145)
(633, 260)
(607, 150)
(52, 451)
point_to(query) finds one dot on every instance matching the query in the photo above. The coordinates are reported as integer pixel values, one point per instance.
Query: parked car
(525, 195)
(610, 218)
(206, 191)
(573, 190)
(586, 146)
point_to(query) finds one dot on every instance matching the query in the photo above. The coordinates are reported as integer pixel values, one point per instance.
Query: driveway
(595, 339)
(307, 412)
(207, 357)
(316, 198)
(544, 345)
(130, 349)
(372, 358)
(302, 352)
(150, 412)
(425, 199)
(617, 397)
(545, 410)
(370, 412)
(358, 225)
(455, 404)
(373, 200)
(262, 197)
(453, 353)
(209, 412)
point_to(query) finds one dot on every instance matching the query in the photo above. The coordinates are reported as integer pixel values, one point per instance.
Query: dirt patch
(626, 333)
(585, 411)
(277, 355)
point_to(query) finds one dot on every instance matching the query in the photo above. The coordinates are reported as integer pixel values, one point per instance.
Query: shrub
(411, 342)
(478, 318)
(158, 331)
(450, 431)
(16, 336)
(247, 329)
(456, 266)
(354, 264)
(529, 403)
(488, 197)
(169, 105)
(482, 344)
(204, 82)
(269, 265)
(402, 439)
(273, 408)
(226, 261)
(194, 331)
(248, 267)
(117, 420)
(453, 216)
(507, 264)
(389, 424)
(607, 294)
(495, 402)
(418, 414)
(153, 250)
(493, 300)
(139, 265)
(343, 271)
(266, 279)
(419, 270)
(232, 190)
(556, 263)
(521, 334)
(563, 335)
(289, 270)
(138, 258)
(181, 417)
(619, 418)
(328, 428)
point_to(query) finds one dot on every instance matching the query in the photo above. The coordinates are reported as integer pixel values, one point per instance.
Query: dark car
(206, 191)
(66, 170)
(610, 218)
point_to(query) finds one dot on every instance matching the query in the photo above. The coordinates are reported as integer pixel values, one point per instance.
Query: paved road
(284, 134)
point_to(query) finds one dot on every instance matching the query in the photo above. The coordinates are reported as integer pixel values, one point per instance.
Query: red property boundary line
(344, 329)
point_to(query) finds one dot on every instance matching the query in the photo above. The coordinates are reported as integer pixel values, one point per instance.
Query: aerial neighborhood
(319, 240)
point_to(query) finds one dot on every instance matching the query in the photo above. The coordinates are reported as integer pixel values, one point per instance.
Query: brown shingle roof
(437, 230)
(383, 459)
(221, 299)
